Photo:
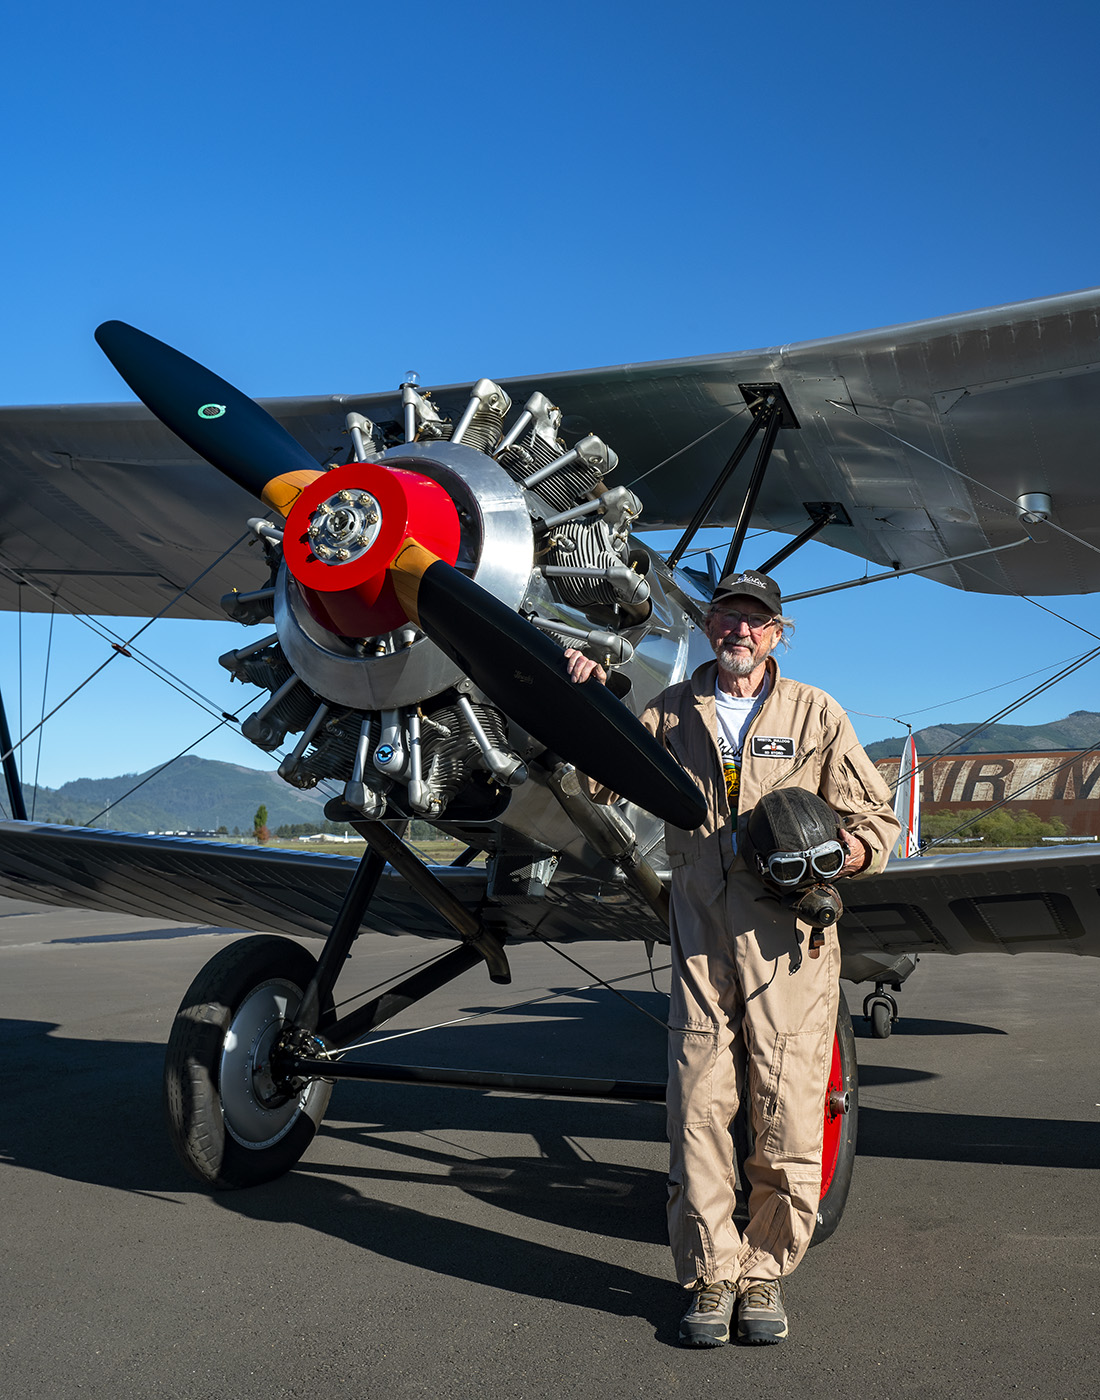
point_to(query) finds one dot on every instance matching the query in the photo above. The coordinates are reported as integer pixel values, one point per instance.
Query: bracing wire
(157, 771)
(513, 1006)
(45, 685)
(121, 649)
(947, 466)
(1008, 709)
(731, 418)
(600, 982)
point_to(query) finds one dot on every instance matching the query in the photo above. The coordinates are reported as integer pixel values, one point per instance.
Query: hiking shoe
(707, 1322)
(761, 1318)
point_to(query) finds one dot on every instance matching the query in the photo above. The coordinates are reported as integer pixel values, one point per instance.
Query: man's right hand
(583, 668)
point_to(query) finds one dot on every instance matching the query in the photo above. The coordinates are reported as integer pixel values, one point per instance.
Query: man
(753, 1006)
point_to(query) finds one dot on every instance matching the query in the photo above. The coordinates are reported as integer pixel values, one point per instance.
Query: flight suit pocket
(692, 1055)
(793, 1102)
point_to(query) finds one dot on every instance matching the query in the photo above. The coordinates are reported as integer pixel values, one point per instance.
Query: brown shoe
(707, 1322)
(761, 1317)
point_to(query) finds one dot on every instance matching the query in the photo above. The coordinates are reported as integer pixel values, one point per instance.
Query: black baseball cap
(752, 585)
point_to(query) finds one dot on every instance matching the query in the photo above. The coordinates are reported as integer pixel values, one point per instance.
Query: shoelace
(761, 1293)
(712, 1297)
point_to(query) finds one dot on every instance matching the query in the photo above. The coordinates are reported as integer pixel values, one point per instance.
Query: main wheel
(838, 1157)
(231, 1123)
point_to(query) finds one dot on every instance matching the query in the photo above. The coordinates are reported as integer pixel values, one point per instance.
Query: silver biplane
(424, 559)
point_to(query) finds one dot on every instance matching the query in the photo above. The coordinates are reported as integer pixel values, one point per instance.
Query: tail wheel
(838, 1155)
(231, 1122)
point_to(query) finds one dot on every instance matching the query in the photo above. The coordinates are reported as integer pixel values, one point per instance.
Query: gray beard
(737, 665)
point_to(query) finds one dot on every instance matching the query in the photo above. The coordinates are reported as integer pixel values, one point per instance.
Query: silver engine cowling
(390, 717)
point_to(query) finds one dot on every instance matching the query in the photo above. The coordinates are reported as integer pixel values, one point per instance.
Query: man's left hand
(858, 853)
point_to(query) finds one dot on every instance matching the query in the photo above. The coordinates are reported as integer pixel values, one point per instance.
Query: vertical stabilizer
(907, 802)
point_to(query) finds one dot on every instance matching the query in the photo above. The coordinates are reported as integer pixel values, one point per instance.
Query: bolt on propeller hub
(345, 530)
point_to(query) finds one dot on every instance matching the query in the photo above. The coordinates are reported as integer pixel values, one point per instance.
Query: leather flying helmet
(793, 846)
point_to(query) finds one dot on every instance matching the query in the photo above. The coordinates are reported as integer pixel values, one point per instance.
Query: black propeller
(521, 670)
(217, 421)
(526, 674)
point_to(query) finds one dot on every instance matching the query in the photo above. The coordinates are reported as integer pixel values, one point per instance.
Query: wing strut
(770, 411)
(11, 772)
(385, 847)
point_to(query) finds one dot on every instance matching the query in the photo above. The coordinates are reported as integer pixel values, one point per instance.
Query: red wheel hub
(345, 530)
(834, 1119)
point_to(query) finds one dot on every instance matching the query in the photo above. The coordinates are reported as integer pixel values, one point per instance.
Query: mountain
(192, 794)
(1080, 730)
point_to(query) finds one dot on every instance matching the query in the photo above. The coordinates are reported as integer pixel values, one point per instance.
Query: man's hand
(582, 667)
(859, 854)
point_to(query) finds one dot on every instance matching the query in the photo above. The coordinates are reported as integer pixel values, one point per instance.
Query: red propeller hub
(344, 531)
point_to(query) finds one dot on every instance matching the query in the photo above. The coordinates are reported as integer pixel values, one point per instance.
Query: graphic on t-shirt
(731, 768)
(735, 714)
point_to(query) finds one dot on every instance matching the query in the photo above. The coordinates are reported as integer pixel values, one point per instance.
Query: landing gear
(233, 1120)
(838, 1157)
(880, 1008)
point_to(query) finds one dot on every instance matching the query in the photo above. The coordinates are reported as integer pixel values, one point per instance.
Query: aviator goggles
(789, 868)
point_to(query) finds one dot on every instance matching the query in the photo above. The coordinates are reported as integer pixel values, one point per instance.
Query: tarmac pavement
(468, 1244)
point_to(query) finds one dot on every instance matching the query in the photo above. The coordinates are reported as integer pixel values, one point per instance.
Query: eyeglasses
(789, 868)
(756, 621)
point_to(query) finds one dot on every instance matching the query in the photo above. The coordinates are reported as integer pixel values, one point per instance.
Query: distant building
(1063, 785)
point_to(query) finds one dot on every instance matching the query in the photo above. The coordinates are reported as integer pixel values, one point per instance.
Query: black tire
(882, 1022)
(835, 1198)
(223, 1131)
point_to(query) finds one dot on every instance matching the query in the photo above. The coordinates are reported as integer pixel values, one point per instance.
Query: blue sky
(314, 200)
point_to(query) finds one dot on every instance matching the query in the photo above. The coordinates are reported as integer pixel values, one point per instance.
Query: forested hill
(192, 794)
(1079, 730)
(200, 794)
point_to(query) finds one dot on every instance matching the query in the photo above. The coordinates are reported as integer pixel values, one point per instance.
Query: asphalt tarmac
(447, 1242)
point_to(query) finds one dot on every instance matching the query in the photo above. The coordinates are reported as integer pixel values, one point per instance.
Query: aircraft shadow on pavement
(472, 1253)
(974, 1137)
(91, 1111)
(917, 1025)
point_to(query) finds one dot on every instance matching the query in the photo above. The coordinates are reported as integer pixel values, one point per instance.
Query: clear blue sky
(316, 199)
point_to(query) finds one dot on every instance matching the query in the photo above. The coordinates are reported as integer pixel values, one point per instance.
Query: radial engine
(375, 705)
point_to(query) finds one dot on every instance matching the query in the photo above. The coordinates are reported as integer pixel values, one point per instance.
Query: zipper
(802, 757)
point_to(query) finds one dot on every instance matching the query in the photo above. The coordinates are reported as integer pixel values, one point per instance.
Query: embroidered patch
(767, 746)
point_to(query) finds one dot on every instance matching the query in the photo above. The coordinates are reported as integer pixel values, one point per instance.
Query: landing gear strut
(880, 1008)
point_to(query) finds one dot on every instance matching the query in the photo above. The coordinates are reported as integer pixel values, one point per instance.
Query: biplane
(421, 561)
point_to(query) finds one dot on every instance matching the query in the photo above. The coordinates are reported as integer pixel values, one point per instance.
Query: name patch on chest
(768, 746)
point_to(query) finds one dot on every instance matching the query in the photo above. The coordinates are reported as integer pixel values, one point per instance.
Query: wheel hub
(258, 1109)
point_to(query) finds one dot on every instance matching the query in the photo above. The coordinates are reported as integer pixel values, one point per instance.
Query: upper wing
(104, 506)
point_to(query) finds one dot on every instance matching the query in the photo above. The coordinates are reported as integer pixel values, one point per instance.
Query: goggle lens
(788, 868)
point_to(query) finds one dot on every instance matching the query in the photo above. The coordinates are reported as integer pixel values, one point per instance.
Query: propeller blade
(526, 674)
(220, 423)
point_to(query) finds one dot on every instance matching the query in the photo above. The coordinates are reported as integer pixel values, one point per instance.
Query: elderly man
(753, 1006)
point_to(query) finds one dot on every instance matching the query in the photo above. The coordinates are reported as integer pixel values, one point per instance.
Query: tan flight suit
(746, 993)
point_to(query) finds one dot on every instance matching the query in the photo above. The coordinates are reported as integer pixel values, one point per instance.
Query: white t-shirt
(735, 715)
